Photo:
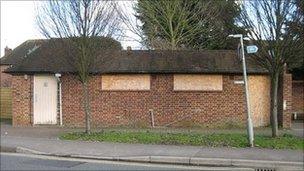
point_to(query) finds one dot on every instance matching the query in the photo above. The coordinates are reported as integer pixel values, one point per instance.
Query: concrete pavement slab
(251, 153)
(210, 161)
(170, 159)
(268, 164)
(136, 158)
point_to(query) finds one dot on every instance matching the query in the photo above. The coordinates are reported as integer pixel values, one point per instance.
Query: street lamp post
(249, 121)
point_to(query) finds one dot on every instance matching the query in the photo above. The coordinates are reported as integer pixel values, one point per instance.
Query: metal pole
(60, 103)
(57, 75)
(249, 121)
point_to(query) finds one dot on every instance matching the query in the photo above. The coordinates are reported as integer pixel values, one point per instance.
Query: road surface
(14, 161)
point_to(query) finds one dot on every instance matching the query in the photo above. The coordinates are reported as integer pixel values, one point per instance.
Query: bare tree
(80, 25)
(266, 21)
(169, 24)
(132, 26)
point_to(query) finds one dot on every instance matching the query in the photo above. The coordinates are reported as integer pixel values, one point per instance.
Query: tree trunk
(274, 104)
(280, 100)
(87, 108)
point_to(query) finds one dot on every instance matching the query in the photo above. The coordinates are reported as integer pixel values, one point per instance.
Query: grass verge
(285, 141)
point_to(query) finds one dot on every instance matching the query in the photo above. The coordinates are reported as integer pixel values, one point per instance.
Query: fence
(5, 103)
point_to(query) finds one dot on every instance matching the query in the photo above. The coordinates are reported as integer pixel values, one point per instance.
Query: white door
(45, 99)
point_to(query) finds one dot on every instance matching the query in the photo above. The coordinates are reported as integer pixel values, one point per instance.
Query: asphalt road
(14, 161)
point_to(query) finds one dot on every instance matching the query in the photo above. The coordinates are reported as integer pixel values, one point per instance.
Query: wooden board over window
(192, 82)
(259, 91)
(126, 82)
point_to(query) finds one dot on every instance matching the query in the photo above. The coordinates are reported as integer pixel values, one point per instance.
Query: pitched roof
(47, 59)
(21, 52)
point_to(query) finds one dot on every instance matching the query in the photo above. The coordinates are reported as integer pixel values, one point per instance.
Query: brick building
(5, 78)
(129, 88)
(298, 96)
(298, 93)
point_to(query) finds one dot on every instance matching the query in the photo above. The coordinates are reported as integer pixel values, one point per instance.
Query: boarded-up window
(259, 90)
(186, 82)
(126, 82)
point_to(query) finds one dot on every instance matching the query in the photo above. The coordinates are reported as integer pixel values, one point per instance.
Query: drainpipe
(57, 75)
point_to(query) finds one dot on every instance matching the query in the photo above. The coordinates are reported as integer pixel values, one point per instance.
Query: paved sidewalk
(297, 128)
(104, 149)
(43, 140)
(51, 132)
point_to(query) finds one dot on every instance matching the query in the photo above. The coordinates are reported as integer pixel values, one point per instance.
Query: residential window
(198, 82)
(126, 82)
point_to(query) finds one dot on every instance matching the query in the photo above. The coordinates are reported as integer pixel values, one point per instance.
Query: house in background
(13, 57)
(128, 88)
(298, 93)
(5, 78)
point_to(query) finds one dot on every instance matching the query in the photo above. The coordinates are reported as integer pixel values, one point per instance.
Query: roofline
(179, 50)
(2, 64)
(140, 72)
(8, 55)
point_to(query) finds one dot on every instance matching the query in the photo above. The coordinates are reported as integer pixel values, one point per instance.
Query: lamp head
(235, 35)
(58, 75)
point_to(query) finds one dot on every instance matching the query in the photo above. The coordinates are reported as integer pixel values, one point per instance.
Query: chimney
(129, 48)
(7, 50)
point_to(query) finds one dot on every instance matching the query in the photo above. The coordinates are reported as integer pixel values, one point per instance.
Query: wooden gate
(5, 103)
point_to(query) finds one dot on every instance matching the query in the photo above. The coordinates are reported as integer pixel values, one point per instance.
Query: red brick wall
(297, 96)
(5, 79)
(113, 108)
(287, 97)
(22, 100)
(131, 108)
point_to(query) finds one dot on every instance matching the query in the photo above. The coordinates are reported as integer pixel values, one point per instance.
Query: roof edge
(141, 72)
